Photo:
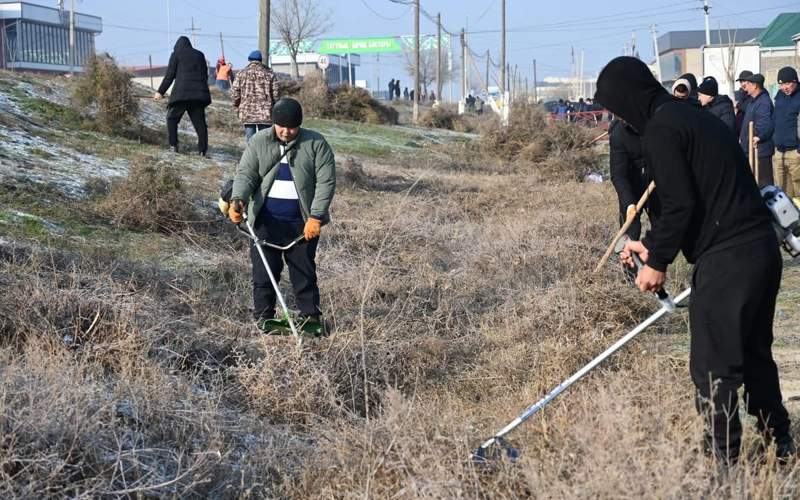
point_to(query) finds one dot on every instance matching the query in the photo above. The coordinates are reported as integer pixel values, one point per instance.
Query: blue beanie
(255, 56)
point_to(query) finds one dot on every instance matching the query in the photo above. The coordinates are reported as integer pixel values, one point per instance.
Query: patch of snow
(27, 157)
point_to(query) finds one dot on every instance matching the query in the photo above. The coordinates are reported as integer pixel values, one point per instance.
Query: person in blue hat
(254, 93)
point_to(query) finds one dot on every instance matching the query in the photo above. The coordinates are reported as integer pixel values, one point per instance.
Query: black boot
(785, 450)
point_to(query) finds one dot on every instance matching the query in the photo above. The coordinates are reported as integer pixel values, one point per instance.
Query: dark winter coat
(722, 108)
(188, 69)
(709, 198)
(627, 166)
(787, 108)
(759, 111)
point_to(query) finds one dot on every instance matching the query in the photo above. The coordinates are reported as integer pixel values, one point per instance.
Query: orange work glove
(312, 228)
(235, 211)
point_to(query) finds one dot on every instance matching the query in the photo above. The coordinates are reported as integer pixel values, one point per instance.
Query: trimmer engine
(785, 218)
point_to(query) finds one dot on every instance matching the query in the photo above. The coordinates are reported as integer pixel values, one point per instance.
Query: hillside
(459, 291)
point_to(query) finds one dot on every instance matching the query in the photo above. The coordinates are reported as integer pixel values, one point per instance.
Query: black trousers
(731, 315)
(299, 259)
(197, 113)
(765, 176)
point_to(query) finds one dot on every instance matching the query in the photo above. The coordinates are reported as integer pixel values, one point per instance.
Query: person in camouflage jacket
(254, 92)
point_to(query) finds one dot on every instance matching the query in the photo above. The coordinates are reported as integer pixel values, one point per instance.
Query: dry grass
(446, 118)
(458, 298)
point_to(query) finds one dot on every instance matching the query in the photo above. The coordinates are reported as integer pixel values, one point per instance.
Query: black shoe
(202, 153)
(175, 149)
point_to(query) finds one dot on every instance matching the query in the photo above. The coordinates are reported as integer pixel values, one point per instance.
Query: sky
(543, 30)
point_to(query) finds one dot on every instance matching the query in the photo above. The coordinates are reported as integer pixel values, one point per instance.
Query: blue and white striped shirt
(282, 200)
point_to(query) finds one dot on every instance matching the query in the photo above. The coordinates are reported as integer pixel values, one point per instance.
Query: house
(37, 38)
(778, 49)
(681, 51)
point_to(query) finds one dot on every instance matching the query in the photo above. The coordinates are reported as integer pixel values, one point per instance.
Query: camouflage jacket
(254, 92)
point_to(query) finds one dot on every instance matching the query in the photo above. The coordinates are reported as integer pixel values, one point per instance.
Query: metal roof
(48, 15)
(780, 31)
(694, 39)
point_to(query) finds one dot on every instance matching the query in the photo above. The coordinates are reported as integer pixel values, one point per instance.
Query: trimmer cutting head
(498, 451)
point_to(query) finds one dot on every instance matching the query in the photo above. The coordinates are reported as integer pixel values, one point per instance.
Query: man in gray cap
(787, 145)
(759, 113)
(285, 182)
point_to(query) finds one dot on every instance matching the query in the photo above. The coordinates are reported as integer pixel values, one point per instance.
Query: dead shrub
(342, 102)
(151, 197)
(110, 88)
(446, 118)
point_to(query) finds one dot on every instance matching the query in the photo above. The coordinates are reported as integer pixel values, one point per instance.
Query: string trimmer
(483, 453)
(285, 324)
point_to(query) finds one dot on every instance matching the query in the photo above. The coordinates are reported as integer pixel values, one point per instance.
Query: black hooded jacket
(722, 108)
(189, 70)
(709, 198)
(627, 165)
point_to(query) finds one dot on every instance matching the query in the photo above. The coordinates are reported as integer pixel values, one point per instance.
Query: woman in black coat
(188, 69)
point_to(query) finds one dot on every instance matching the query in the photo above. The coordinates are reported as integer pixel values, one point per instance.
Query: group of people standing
(774, 143)
(707, 204)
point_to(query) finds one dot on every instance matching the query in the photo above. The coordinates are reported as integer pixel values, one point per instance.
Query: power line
(381, 15)
(202, 11)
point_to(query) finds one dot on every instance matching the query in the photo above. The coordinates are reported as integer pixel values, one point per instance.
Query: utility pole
(535, 85)
(503, 67)
(655, 49)
(450, 70)
(463, 67)
(633, 43)
(193, 30)
(488, 61)
(508, 77)
(415, 107)
(439, 56)
(221, 45)
(708, 31)
(263, 32)
(581, 76)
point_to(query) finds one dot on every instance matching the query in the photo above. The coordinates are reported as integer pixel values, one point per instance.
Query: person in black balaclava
(712, 210)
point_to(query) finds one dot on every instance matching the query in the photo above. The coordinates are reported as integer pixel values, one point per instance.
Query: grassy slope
(459, 296)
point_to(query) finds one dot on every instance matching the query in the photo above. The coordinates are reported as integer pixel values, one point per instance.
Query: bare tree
(297, 21)
(729, 61)
(427, 67)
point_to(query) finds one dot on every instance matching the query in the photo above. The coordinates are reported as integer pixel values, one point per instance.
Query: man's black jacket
(709, 198)
(189, 70)
(627, 166)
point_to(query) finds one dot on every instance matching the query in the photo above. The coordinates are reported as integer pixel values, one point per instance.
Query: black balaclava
(627, 88)
(183, 43)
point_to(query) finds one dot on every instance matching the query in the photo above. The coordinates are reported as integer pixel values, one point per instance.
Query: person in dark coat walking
(712, 211)
(391, 89)
(188, 70)
(718, 105)
(397, 89)
(787, 109)
(759, 112)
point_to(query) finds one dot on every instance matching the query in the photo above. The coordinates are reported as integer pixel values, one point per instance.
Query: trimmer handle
(662, 294)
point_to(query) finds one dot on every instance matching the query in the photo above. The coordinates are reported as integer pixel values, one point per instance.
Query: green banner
(359, 46)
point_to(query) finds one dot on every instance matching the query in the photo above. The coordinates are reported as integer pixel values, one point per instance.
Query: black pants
(299, 259)
(765, 176)
(197, 113)
(731, 315)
